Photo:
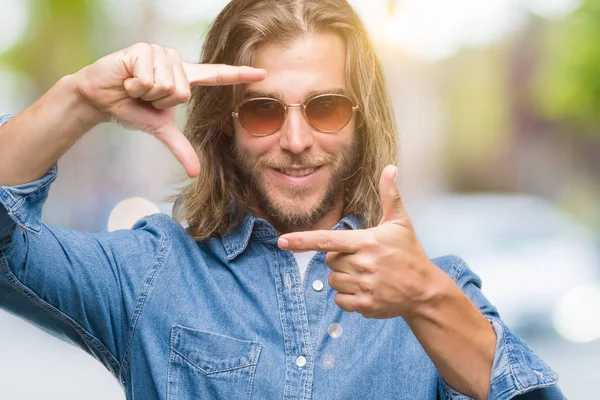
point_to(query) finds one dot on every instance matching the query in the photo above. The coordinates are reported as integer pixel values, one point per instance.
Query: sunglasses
(327, 113)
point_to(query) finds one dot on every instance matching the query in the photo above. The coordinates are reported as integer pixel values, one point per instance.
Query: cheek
(338, 142)
(251, 145)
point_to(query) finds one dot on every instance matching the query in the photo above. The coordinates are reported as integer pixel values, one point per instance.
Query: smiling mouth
(298, 172)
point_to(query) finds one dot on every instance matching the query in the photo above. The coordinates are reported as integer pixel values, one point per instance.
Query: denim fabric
(228, 318)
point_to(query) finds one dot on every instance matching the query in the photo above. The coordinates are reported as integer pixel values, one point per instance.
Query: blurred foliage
(57, 40)
(568, 84)
(478, 110)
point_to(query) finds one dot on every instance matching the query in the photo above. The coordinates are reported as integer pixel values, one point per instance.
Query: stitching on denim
(171, 359)
(323, 300)
(148, 285)
(301, 311)
(188, 329)
(13, 211)
(49, 180)
(255, 357)
(511, 358)
(445, 387)
(282, 318)
(303, 316)
(249, 364)
(5, 194)
(256, 350)
(324, 294)
(458, 265)
(234, 249)
(38, 301)
(510, 372)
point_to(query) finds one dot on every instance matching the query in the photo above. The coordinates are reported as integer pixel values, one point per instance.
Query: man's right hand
(139, 87)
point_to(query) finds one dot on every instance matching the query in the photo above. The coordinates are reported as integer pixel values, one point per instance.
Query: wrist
(437, 289)
(87, 113)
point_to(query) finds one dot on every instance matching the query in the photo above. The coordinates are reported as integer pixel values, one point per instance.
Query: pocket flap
(211, 352)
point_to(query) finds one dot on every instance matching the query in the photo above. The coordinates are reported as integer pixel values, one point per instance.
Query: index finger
(322, 240)
(221, 74)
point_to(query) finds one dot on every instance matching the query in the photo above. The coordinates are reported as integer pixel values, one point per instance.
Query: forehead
(316, 62)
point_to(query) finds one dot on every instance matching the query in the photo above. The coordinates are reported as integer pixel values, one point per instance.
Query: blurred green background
(498, 108)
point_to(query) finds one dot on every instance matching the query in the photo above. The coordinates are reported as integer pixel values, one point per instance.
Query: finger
(322, 240)
(391, 201)
(220, 74)
(347, 302)
(182, 88)
(335, 261)
(172, 137)
(343, 283)
(142, 79)
(164, 81)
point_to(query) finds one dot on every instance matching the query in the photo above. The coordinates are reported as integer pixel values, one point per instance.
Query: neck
(325, 223)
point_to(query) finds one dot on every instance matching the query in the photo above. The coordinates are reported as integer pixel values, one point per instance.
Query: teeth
(298, 172)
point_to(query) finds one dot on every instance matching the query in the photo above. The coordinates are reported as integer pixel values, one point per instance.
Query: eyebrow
(253, 94)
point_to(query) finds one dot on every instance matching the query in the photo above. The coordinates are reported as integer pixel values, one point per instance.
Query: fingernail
(283, 243)
(395, 172)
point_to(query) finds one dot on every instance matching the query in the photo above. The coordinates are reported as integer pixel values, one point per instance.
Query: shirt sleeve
(516, 368)
(85, 288)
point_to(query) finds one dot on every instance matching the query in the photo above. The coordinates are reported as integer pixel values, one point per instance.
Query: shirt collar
(236, 240)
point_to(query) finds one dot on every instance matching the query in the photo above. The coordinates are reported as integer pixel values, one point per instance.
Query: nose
(296, 134)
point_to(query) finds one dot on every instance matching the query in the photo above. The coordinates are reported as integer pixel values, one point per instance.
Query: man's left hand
(381, 272)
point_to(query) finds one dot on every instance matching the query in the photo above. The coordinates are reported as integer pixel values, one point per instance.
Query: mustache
(287, 161)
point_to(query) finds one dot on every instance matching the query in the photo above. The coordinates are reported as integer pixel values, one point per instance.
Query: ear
(228, 127)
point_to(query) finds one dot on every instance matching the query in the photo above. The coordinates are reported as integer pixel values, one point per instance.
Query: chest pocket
(206, 365)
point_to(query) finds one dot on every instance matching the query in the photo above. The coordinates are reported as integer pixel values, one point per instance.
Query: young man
(299, 275)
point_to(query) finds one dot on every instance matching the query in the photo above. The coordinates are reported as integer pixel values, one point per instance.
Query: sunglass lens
(329, 113)
(261, 116)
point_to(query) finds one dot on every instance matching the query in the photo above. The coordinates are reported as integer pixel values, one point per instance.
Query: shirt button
(335, 330)
(317, 285)
(301, 361)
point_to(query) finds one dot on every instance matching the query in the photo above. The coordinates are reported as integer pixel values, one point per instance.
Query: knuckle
(297, 242)
(141, 46)
(323, 242)
(144, 83)
(369, 243)
(158, 133)
(167, 88)
(220, 72)
(171, 53)
(183, 96)
(363, 266)
(396, 198)
(365, 286)
(156, 47)
(333, 280)
(346, 305)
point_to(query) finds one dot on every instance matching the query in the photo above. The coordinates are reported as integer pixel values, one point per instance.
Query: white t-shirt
(303, 259)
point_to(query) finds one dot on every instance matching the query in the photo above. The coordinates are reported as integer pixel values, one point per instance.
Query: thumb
(181, 148)
(391, 202)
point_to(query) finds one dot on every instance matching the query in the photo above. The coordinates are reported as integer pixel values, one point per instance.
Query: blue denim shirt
(227, 318)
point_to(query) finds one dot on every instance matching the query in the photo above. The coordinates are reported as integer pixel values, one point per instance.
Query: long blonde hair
(217, 200)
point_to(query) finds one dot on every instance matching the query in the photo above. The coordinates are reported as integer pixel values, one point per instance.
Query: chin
(289, 213)
(299, 206)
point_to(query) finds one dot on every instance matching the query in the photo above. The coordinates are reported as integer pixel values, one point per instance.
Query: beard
(292, 211)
